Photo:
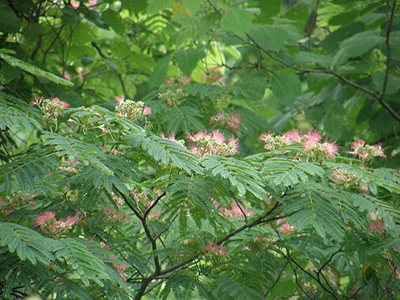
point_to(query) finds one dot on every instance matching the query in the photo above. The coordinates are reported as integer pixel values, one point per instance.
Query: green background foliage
(146, 208)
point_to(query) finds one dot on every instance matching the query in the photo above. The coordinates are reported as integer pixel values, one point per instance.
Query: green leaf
(27, 67)
(344, 18)
(160, 72)
(269, 8)
(286, 88)
(237, 20)
(141, 61)
(253, 83)
(187, 59)
(157, 5)
(357, 45)
(269, 37)
(9, 22)
(192, 5)
(331, 42)
(308, 58)
(393, 83)
(114, 20)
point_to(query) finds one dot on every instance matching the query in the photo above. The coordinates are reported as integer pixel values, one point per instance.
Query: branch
(317, 279)
(119, 75)
(389, 49)
(153, 204)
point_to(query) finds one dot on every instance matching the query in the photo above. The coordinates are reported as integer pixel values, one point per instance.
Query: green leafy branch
(377, 97)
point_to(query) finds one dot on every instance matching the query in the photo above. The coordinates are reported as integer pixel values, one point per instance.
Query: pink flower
(215, 249)
(70, 220)
(376, 226)
(293, 136)
(312, 137)
(379, 151)
(359, 143)
(330, 149)
(265, 136)
(197, 136)
(112, 256)
(218, 136)
(169, 80)
(58, 101)
(41, 220)
(287, 228)
(37, 101)
(147, 110)
(120, 99)
(397, 274)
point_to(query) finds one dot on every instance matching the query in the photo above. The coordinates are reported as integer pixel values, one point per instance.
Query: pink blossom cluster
(49, 223)
(366, 152)
(141, 197)
(213, 144)
(182, 80)
(272, 142)
(76, 3)
(215, 249)
(50, 107)
(215, 76)
(121, 268)
(111, 215)
(345, 177)
(375, 223)
(130, 109)
(287, 228)
(9, 204)
(171, 137)
(230, 121)
(315, 150)
(235, 211)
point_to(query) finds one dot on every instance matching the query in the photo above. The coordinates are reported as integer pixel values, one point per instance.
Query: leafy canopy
(199, 149)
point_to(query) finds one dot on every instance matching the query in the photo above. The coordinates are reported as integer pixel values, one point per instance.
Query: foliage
(199, 149)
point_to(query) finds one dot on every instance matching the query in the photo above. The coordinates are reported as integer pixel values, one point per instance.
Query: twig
(389, 49)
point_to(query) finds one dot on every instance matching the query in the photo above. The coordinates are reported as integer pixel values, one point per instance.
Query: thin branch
(389, 49)
(277, 280)
(328, 261)
(317, 279)
(119, 75)
(153, 204)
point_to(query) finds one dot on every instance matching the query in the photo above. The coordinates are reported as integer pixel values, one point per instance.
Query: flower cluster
(345, 177)
(213, 144)
(311, 141)
(130, 109)
(49, 224)
(215, 77)
(10, 204)
(366, 152)
(375, 223)
(50, 107)
(215, 249)
(172, 95)
(287, 228)
(171, 137)
(235, 211)
(230, 121)
(272, 142)
(111, 215)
